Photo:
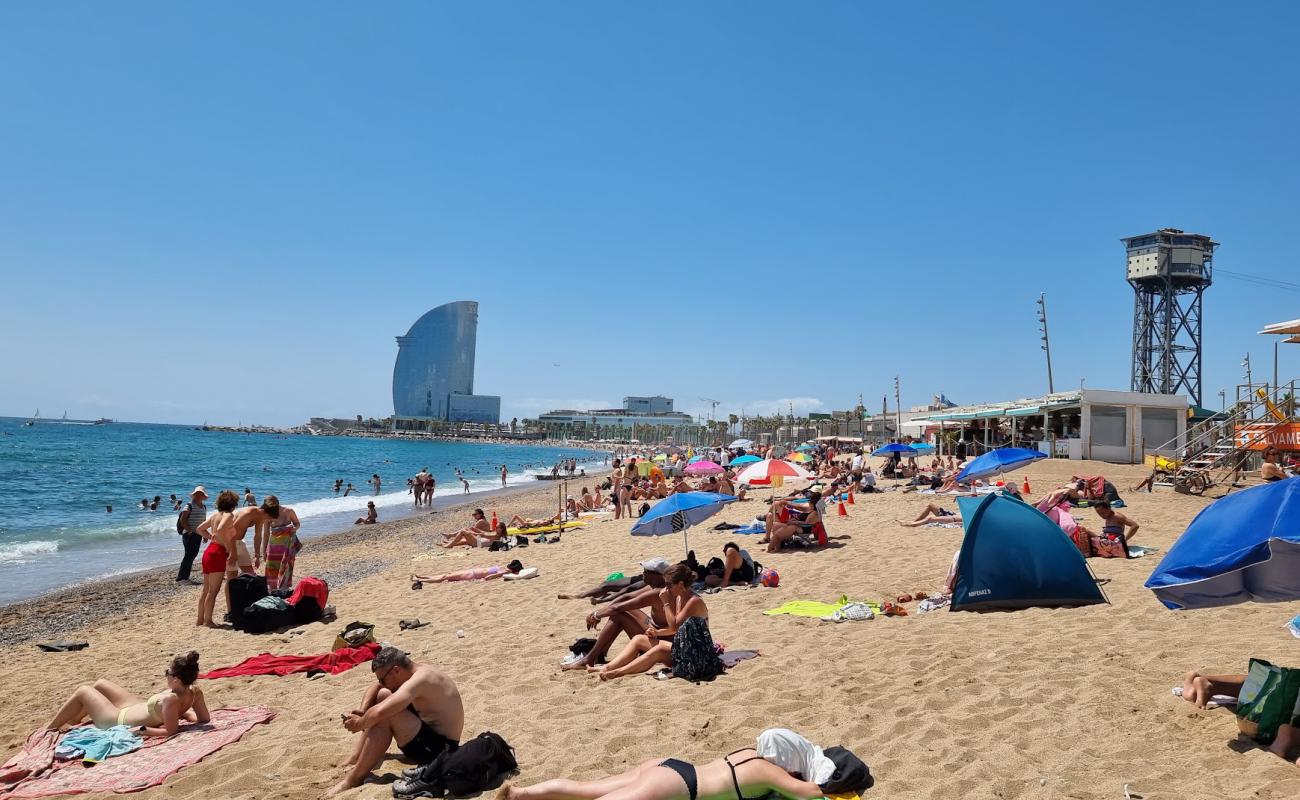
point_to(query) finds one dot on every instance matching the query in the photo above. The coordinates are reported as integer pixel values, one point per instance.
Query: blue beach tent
(1245, 546)
(1013, 556)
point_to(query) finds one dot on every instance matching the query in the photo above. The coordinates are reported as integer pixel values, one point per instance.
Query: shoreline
(59, 611)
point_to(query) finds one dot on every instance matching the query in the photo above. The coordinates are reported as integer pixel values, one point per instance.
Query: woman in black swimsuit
(1270, 471)
(742, 775)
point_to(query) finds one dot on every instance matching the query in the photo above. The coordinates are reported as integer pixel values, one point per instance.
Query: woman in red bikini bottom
(219, 530)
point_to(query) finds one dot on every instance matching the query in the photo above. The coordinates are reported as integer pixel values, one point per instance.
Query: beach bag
(473, 767)
(694, 656)
(851, 775)
(266, 615)
(180, 526)
(1082, 541)
(245, 590)
(311, 587)
(1267, 700)
(354, 635)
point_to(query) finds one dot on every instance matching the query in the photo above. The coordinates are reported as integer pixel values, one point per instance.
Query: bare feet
(579, 664)
(596, 668)
(506, 792)
(337, 789)
(606, 674)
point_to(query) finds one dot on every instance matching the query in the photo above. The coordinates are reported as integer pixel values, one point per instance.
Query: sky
(227, 212)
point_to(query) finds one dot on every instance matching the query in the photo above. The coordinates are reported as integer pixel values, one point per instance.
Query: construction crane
(715, 403)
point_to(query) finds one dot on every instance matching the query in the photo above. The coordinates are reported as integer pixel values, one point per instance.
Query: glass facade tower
(433, 377)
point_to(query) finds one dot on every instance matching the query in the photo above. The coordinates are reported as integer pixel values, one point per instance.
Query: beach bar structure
(1099, 424)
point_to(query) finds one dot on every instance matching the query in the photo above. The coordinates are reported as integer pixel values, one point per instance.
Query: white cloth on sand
(793, 753)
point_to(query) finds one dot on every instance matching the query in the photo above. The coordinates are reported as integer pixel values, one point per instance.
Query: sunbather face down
(106, 704)
(777, 766)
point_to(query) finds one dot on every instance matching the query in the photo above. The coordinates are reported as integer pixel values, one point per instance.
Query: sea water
(56, 480)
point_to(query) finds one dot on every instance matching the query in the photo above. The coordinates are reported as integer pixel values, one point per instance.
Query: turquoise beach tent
(1013, 556)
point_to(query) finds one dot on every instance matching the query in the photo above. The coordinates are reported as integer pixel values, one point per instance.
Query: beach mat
(149, 766)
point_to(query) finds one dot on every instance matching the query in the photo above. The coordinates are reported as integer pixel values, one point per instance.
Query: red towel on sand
(267, 664)
(34, 772)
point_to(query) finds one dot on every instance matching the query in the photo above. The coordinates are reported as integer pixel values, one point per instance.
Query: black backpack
(851, 775)
(473, 767)
(244, 591)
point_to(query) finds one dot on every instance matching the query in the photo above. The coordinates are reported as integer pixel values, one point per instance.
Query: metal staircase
(1222, 449)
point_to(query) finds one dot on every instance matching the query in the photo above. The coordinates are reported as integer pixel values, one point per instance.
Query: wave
(24, 551)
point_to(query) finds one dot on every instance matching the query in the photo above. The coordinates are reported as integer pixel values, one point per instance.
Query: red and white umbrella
(769, 467)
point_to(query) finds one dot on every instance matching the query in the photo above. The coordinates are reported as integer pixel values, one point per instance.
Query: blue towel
(96, 744)
(750, 529)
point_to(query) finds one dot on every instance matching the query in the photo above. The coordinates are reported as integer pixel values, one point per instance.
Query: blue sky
(227, 212)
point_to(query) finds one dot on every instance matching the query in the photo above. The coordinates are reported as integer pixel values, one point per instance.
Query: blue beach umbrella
(995, 462)
(746, 459)
(805, 448)
(922, 448)
(895, 447)
(1246, 546)
(679, 511)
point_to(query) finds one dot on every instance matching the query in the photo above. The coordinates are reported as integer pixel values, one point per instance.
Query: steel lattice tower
(1169, 271)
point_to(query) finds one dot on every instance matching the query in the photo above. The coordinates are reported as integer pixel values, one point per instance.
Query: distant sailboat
(29, 423)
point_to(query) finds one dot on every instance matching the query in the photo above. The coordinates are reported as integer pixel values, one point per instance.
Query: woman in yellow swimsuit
(107, 704)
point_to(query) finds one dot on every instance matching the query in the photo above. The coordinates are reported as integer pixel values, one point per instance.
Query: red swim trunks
(214, 558)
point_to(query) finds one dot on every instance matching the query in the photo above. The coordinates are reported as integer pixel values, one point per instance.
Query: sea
(57, 480)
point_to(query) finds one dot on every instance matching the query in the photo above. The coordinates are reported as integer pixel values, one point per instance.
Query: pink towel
(35, 773)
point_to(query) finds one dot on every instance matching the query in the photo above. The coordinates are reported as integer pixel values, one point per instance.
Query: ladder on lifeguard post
(1221, 451)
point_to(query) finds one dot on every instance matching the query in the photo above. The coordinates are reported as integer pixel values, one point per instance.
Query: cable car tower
(1169, 271)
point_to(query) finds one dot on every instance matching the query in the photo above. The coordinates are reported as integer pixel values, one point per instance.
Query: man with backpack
(187, 523)
(414, 704)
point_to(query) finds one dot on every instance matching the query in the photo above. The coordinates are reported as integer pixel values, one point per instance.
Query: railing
(1223, 449)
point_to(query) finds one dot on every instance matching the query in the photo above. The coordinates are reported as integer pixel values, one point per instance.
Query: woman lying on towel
(474, 574)
(107, 704)
(932, 513)
(784, 763)
(655, 646)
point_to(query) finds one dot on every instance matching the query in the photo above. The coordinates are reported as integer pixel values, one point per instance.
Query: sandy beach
(1040, 703)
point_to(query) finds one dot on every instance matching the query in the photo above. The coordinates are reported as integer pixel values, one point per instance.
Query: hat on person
(656, 564)
(199, 490)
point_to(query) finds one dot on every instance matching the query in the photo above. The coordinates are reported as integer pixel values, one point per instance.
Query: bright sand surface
(1040, 703)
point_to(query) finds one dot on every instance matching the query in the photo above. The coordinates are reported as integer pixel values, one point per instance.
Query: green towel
(816, 608)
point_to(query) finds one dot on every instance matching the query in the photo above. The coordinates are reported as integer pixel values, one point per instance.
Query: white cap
(656, 564)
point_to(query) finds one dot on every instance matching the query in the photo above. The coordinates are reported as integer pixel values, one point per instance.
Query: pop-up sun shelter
(1013, 556)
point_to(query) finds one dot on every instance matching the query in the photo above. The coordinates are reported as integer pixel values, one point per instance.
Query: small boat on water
(32, 420)
(104, 421)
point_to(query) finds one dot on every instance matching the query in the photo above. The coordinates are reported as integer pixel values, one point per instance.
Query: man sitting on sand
(933, 513)
(626, 614)
(414, 704)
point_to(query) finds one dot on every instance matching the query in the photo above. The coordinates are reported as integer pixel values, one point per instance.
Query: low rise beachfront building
(1103, 425)
(633, 421)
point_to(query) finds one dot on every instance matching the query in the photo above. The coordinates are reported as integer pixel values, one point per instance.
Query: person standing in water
(503, 476)
(374, 481)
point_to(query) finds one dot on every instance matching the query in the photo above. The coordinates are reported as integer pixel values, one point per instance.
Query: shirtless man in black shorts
(625, 614)
(414, 704)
